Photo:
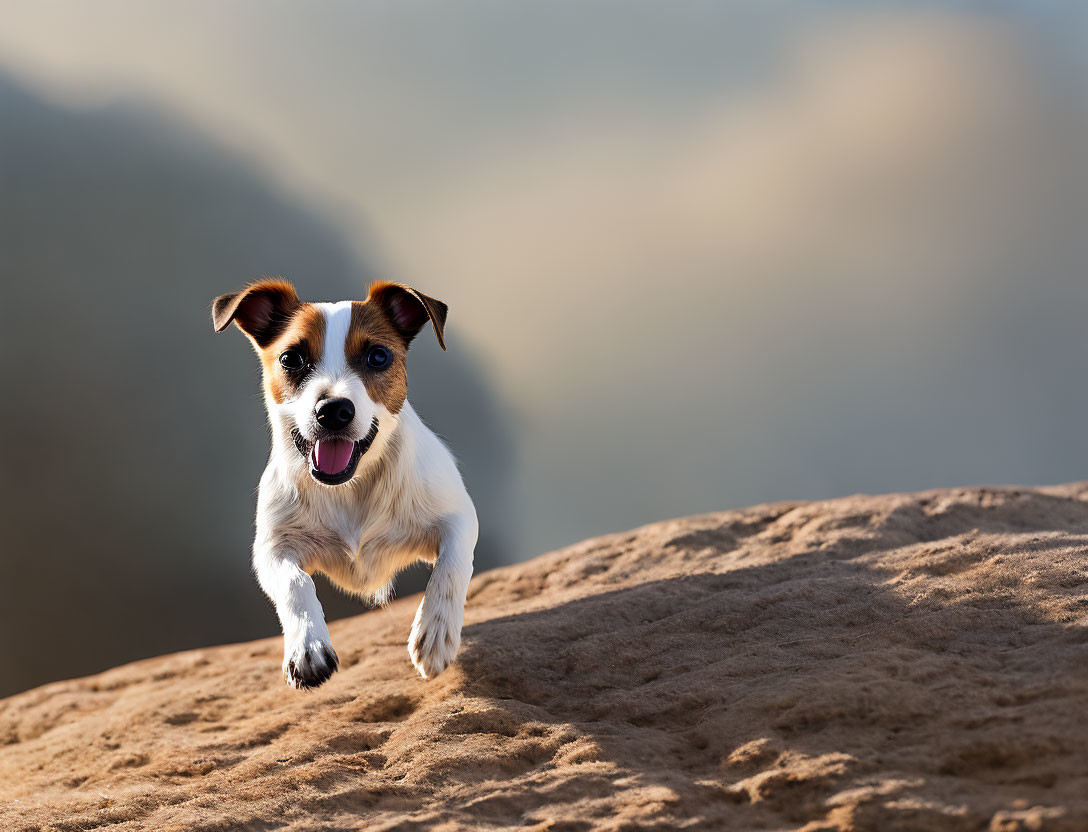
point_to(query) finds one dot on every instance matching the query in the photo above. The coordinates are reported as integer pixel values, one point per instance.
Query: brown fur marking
(371, 326)
(409, 309)
(261, 310)
(305, 331)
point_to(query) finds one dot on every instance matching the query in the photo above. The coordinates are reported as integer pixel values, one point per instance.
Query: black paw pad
(312, 668)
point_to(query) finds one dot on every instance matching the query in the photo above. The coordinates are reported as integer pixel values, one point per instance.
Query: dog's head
(334, 373)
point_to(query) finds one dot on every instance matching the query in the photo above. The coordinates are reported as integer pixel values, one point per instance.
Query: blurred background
(698, 255)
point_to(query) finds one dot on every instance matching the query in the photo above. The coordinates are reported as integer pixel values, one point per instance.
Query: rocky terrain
(905, 662)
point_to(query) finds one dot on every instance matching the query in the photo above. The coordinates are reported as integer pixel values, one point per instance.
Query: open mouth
(333, 460)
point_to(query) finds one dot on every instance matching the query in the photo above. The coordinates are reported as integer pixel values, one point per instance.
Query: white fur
(406, 503)
(337, 323)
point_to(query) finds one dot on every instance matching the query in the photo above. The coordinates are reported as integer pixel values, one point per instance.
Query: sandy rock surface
(907, 662)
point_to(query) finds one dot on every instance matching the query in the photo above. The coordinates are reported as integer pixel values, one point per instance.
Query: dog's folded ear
(261, 310)
(409, 309)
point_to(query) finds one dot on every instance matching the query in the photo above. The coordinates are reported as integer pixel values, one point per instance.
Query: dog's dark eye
(292, 360)
(378, 358)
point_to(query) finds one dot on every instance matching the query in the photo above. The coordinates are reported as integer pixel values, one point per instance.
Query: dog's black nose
(335, 414)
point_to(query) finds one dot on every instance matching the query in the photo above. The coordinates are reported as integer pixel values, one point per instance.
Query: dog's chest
(374, 543)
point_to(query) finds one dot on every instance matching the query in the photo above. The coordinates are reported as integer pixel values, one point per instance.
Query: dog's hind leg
(436, 631)
(308, 657)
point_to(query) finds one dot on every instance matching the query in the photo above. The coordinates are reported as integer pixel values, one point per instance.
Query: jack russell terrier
(356, 487)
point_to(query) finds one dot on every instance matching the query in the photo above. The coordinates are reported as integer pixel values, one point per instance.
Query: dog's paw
(435, 637)
(309, 665)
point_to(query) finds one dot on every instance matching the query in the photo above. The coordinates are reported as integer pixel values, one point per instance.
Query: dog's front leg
(308, 657)
(436, 631)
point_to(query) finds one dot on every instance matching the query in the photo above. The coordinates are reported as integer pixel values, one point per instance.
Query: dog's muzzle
(333, 459)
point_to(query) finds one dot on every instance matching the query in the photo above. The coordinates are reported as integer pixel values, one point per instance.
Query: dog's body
(356, 487)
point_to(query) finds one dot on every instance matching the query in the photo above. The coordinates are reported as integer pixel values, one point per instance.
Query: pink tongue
(331, 456)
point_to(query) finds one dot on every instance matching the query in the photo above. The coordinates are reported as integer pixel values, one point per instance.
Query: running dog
(356, 487)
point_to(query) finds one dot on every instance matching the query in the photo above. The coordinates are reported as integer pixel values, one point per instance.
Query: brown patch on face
(303, 332)
(370, 326)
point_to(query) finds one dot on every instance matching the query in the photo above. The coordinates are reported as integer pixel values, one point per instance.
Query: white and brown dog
(356, 487)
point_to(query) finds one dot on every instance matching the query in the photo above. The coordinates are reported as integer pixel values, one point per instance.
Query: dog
(356, 487)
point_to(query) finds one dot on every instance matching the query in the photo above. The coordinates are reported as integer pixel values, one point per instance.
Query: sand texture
(905, 662)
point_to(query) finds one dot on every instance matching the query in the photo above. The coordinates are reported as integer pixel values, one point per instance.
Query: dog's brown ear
(409, 309)
(261, 310)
